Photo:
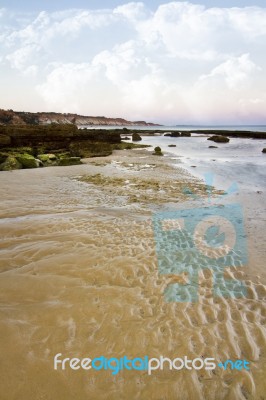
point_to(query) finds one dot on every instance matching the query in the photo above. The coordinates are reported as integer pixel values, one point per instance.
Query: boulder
(48, 159)
(219, 139)
(136, 137)
(172, 134)
(27, 161)
(264, 150)
(3, 157)
(175, 134)
(10, 163)
(186, 134)
(39, 163)
(157, 151)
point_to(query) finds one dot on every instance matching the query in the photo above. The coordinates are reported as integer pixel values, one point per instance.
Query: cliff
(11, 117)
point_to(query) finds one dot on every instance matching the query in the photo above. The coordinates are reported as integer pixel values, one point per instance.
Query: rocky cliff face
(11, 117)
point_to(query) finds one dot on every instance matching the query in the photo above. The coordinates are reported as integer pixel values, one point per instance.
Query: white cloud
(178, 62)
(20, 58)
(234, 71)
(249, 21)
(132, 11)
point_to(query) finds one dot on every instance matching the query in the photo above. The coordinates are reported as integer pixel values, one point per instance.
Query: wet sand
(79, 276)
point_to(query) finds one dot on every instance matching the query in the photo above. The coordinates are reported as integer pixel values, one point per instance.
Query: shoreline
(80, 277)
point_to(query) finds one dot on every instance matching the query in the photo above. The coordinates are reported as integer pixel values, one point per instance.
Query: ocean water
(240, 160)
(164, 128)
(238, 167)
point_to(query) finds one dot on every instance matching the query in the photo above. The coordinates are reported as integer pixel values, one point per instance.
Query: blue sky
(169, 62)
(52, 5)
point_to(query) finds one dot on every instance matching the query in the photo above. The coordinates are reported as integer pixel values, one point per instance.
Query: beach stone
(213, 147)
(175, 134)
(27, 161)
(157, 151)
(3, 157)
(171, 145)
(48, 159)
(219, 139)
(10, 163)
(264, 150)
(136, 137)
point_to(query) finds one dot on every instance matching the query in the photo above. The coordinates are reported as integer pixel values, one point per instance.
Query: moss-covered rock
(175, 134)
(219, 139)
(48, 159)
(69, 161)
(157, 151)
(27, 161)
(43, 157)
(90, 149)
(136, 137)
(186, 134)
(10, 163)
(3, 157)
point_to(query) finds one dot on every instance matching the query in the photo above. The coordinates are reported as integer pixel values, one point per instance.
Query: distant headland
(10, 117)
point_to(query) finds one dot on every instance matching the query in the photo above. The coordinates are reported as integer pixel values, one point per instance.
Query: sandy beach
(79, 276)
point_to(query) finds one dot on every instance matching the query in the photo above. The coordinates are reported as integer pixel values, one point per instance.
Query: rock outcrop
(172, 134)
(33, 146)
(136, 137)
(219, 139)
(53, 136)
(157, 151)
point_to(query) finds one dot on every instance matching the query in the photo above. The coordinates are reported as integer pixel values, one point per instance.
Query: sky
(179, 62)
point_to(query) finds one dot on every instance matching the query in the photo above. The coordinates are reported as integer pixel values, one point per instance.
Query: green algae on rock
(10, 163)
(65, 161)
(219, 139)
(136, 137)
(157, 151)
(27, 161)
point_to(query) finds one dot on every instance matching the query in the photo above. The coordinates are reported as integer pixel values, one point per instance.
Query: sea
(254, 128)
